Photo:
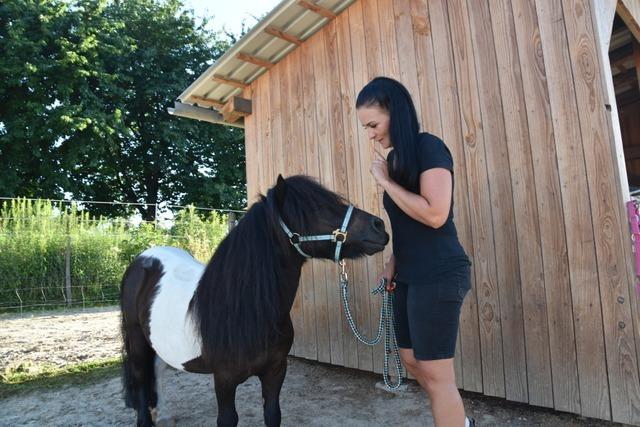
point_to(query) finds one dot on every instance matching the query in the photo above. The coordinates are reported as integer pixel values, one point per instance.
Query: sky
(229, 14)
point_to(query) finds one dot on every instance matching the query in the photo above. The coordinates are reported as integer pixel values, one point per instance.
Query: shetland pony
(231, 317)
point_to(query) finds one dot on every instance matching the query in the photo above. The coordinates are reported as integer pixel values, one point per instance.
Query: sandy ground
(314, 394)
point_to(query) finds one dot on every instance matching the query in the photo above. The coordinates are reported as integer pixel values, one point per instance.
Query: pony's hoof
(166, 422)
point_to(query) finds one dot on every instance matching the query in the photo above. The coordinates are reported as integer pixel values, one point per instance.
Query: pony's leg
(272, 380)
(139, 372)
(226, 397)
(164, 417)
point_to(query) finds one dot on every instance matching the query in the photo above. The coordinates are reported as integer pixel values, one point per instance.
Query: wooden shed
(538, 101)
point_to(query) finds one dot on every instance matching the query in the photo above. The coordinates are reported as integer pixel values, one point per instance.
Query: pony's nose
(377, 224)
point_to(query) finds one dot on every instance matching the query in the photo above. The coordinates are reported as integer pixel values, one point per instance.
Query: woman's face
(375, 121)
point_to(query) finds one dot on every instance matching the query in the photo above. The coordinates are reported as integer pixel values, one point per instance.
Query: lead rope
(387, 323)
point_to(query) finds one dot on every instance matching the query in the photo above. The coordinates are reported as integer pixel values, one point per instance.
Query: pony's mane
(239, 302)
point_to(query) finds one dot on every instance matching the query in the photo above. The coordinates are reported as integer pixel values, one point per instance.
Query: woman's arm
(431, 206)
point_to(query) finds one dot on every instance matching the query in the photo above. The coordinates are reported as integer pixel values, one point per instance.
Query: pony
(231, 318)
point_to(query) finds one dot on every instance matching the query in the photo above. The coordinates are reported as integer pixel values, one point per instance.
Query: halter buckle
(339, 236)
(294, 239)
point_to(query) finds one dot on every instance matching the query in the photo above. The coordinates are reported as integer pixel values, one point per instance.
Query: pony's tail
(138, 357)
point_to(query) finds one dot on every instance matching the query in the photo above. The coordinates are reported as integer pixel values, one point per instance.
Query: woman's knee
(408, 360)
(436, 373)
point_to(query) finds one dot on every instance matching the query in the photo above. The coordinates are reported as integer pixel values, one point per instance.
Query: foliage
(85, 90)
(36, 237)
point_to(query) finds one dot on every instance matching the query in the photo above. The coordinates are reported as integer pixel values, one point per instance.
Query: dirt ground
(314, 394)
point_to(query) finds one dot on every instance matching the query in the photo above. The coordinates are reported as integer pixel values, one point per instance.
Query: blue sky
(229, 14)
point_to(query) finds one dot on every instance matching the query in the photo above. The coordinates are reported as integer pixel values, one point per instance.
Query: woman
(429, 266)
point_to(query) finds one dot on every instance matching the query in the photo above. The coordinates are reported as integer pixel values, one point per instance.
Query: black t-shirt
(422, 253)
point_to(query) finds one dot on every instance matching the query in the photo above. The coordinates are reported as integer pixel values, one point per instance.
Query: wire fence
(54, 254)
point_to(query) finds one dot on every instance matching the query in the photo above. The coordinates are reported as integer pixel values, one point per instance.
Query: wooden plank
(251, 153)
(315, 268)
(636, 60)
(336, 174)
(504, 218)
(276, 32)
(255, 60)
(589, 340)
(606, 207)
(325, 173)
(479, 198)
(552, 229)
(362, 68)
(525, 189)
(295, 163)
(425, 67)
(629, 11)
(259, 116)
(356, 269)
(452, 134)
(406, 48)
(430, 120)
(371, 192)
(388, 44)
(322, 11)
(267, 148)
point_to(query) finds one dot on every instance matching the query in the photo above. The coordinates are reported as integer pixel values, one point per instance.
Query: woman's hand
(379, 169)
(388, 273)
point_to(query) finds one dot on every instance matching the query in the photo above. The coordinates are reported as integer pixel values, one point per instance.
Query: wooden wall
(514, 89)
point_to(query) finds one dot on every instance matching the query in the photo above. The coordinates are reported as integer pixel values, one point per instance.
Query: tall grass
(38, 238)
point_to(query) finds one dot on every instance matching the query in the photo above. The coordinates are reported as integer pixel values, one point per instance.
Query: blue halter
(339, 235)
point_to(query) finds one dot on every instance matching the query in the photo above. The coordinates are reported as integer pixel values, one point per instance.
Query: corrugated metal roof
(289, 17)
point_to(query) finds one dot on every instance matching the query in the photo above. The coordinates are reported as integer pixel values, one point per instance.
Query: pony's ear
(281, 191)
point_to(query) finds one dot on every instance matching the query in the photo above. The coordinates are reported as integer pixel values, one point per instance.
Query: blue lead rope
(386, 324)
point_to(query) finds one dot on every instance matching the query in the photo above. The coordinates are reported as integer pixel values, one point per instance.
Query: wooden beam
(620, 56)
(206, 101)
(230, 82)
(636, 59)
(199, 113)
(282, 35)
(323, 11)
(629, 77)
(629, 11)
(256, 61)
(236, 108)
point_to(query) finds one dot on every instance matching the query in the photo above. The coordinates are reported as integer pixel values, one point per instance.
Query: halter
(339, 235)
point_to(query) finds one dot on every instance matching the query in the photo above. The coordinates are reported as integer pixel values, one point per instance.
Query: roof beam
(199, 113)
(206, 101)
(282, 35)
(230, 82)
(327, 13)
(236, 108)
(629, 11)
(254, 60)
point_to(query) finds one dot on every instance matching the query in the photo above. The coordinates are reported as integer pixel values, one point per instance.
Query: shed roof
(211, 96)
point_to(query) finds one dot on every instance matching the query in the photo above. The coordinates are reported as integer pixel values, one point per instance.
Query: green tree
(94, 100)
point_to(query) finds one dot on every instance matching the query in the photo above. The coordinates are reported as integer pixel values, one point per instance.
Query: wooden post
(67, 267)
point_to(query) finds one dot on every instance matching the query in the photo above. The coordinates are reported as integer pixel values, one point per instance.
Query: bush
(36, 236)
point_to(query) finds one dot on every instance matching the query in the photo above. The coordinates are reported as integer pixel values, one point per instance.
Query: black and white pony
(231, 318)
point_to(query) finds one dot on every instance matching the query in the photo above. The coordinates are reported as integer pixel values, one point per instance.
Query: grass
(26, 377)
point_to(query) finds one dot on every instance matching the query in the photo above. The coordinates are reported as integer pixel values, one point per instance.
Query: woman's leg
(437, 379)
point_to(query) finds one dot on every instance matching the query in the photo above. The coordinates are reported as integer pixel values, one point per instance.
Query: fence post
(67, 266)
(231, 221)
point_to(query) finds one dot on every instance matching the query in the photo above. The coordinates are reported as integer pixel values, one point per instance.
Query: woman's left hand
(379, 169)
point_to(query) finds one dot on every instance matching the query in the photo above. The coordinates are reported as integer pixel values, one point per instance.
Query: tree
(106, 73)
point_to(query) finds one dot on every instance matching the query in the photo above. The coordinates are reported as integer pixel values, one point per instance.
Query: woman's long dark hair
(404, 128)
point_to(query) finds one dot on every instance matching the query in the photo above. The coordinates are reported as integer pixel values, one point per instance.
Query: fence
(55, 254)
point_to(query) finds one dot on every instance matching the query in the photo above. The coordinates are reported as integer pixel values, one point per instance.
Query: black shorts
(427, 315)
